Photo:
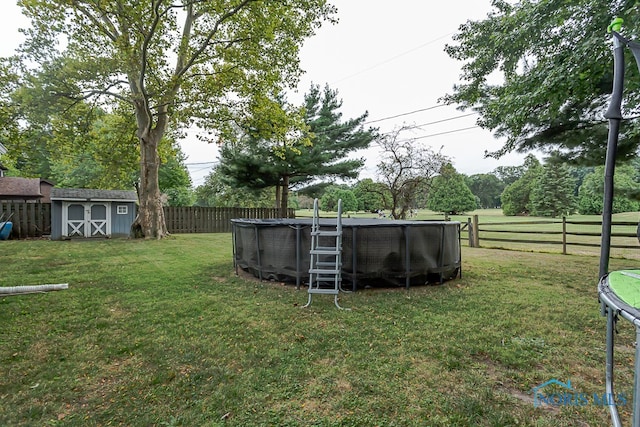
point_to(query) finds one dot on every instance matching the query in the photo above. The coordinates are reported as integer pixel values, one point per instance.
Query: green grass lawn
(163, 333)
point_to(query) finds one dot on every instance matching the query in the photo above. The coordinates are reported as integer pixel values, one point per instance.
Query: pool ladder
(325, 270)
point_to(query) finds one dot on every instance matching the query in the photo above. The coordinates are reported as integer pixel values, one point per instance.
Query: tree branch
(180, 71)
(111, 32)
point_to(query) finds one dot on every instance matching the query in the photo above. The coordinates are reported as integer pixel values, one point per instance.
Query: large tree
(78, 144)
(516, 197)
(372, 196)
(539, 73)
(552, 193)
(449, 193)
(487, 188)
(591, 194)
(315, 144)
(405, 167)
(172, 62)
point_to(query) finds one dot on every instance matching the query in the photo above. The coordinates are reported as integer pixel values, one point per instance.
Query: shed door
(86, 219)
(98, 220)
(74, 226)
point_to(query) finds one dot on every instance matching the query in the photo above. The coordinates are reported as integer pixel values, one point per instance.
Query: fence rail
(561, 232)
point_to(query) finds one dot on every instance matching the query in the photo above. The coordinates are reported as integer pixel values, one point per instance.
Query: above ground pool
(374, 251)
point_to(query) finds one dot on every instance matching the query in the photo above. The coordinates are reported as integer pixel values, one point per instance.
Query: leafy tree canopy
(516, 197)
(487, 188)
(329, 201)
(539, 73)
(372, 196)
(171, 63)
(591, 194)
(449, 193)
(216, 192)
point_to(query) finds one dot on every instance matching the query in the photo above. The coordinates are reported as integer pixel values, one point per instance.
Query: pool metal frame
(301, 270)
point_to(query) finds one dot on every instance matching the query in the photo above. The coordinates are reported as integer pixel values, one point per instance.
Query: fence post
(476, 236)
(470, 232)
(564, 235)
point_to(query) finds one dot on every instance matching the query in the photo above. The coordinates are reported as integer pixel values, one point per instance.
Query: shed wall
(121, 223)
(56, 220)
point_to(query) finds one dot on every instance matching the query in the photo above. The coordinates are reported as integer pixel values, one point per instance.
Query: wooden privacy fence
(29, 219)
(34, 219)
(562, 232)
(194, 219)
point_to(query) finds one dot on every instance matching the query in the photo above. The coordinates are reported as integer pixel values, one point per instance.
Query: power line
(404, 114)
(445, 120)
(444, 133)
(199, 163)
(391, 59)
(430, 123)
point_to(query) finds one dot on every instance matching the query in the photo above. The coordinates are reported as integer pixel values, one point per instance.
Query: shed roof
(91, 194)
(11, 186)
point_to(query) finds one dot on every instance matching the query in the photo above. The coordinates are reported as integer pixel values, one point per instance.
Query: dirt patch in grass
(505, 385)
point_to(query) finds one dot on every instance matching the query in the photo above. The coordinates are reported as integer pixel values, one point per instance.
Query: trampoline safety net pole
(614, 115)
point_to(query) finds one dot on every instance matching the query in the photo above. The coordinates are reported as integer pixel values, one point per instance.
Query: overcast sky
(383, 57)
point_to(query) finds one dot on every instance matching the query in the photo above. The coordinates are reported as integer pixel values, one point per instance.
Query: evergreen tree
(332, 139)
(552, 192)
(449, 193)
(324, 141)
(516, 196)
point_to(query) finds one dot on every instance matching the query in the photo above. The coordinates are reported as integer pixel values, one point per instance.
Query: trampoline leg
(611, 330)
(636, 383)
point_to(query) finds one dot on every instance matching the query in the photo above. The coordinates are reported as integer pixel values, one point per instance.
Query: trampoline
(374, 251)
(619, 292)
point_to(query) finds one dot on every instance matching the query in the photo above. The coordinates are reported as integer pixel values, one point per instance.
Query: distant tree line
(552, 189)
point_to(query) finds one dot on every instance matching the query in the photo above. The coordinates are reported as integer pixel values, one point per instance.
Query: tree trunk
(150, 221)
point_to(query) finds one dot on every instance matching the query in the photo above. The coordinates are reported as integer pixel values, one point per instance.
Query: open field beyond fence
(163, 333)
(579, 235)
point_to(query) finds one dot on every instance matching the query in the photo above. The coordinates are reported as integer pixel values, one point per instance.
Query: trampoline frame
(612, 307)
